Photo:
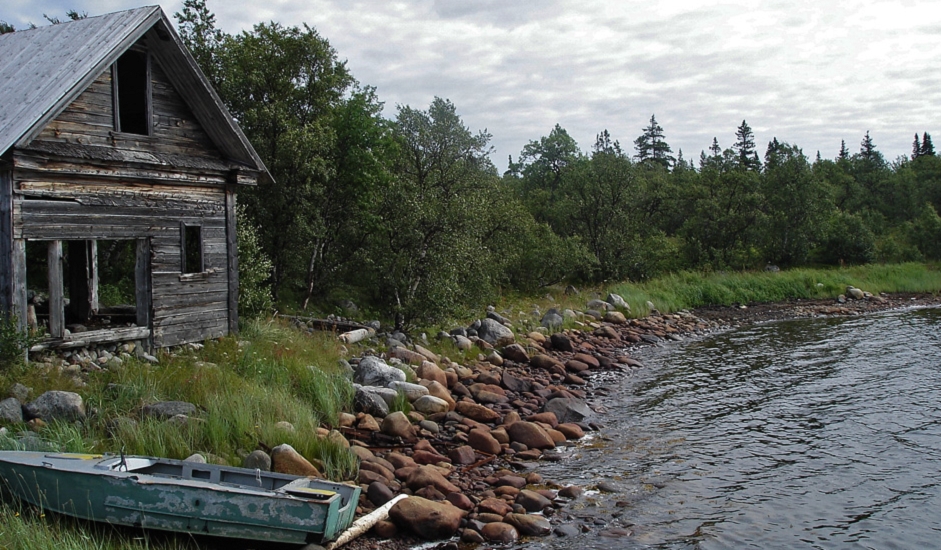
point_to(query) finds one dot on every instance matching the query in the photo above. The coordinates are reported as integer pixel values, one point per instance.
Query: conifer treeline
(409, 216)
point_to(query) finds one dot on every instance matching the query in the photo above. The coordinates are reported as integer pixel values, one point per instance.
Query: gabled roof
(43, 70)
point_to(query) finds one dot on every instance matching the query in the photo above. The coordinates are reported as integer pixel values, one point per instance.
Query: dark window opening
(192, 249)
(132, 90)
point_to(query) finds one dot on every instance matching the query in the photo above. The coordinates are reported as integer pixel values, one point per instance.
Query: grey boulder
(568, 409)
(373, 371)
(56, 405)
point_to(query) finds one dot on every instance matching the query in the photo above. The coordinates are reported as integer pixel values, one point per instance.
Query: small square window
(192, 249)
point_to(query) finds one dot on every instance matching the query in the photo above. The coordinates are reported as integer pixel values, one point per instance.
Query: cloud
(810, 73)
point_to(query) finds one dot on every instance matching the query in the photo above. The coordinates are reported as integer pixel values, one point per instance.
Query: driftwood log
(365, 523)
(327, 325)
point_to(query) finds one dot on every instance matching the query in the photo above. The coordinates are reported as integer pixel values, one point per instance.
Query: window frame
(148, 91)
(184, 228)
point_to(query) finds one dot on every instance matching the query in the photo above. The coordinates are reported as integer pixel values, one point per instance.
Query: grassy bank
(242, 386)
(690, 290)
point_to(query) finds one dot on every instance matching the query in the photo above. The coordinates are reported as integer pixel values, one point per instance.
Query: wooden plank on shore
(329, 325)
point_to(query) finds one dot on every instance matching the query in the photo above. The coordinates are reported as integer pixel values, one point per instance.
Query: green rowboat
(186, 497)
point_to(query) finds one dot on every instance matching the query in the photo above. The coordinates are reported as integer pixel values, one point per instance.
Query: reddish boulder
(424, 476)
(427, 519)
(531, 435)
(499, 532)
(476, 412)
(496, 506)
(285, 460)
(462, 455)
(484, 442)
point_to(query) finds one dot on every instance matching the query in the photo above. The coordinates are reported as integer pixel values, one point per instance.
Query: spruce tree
(916, 147)
(867, 149)
(715, 149)
(745, 148)
(651, 145)
(197, 28)
(927, 148)
(844, 152)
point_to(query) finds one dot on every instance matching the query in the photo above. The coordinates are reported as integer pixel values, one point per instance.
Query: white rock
(430, 404)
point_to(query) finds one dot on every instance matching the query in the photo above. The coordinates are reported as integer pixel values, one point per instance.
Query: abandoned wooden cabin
(119, 167)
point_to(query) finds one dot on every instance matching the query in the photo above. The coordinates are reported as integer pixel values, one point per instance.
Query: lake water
(820, 433)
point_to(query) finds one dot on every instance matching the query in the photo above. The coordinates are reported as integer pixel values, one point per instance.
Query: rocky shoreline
(472, 470)
(464, 440)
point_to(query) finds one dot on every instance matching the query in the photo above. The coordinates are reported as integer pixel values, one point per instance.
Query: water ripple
(821, 433)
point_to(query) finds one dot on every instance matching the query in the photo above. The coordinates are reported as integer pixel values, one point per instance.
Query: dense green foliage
(254, 268)
(409, 218)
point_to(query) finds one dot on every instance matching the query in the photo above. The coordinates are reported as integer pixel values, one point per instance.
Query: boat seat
(196, 472)
(301, 487)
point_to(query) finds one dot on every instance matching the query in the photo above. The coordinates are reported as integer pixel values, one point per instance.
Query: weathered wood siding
(89, 120)
(6, 238)
(187, 307)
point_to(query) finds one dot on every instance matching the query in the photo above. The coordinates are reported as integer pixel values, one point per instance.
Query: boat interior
(211, 473)
(226, 475)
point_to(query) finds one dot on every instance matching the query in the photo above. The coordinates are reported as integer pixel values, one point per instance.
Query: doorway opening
(81, 286)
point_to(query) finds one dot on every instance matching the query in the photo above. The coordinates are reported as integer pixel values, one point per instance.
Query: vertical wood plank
(56, 290)
(182, 247)
(232, 264)
(6, 242)
(149, 101)
(93, 276)
(19, 281)
(143, 285)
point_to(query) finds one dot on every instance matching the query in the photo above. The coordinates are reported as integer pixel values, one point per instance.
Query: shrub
(849, 240)
(254, 269)
(13, 342)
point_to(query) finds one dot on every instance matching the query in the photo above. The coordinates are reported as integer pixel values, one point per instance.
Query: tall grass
(242, 387)
(26, 528)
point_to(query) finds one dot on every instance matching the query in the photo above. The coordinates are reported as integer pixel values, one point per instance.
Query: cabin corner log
(232, 258)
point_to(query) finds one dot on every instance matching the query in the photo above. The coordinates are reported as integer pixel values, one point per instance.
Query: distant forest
(411, 219)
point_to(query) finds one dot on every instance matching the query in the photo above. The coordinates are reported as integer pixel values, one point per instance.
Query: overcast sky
(807, 72)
